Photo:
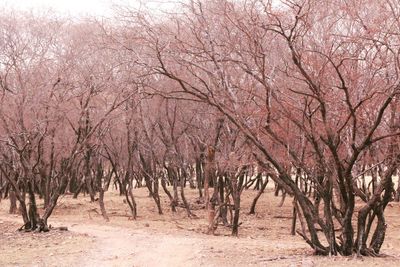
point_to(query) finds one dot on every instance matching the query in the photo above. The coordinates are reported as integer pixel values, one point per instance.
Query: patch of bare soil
(54, 248)
(172, 239)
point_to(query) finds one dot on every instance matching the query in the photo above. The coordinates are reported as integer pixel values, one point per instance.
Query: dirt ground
(172, 239)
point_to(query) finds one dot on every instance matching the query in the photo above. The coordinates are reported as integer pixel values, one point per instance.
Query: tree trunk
(102, 206)
(209, 175)
(130, 199)
(13, 202)
(199, 177)
(260, 192)
(171, 198)
(185, 203)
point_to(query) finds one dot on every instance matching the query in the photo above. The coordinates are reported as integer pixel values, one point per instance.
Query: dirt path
(121, 246)
(116, 246)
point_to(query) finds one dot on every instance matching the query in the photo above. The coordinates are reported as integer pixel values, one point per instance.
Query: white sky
(78, 7)
(72, 7)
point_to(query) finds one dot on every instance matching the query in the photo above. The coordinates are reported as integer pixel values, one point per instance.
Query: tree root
(41, 227)
(369, 252)
(318, 250)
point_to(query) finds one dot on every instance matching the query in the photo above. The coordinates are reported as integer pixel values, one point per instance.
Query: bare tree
(279, 78)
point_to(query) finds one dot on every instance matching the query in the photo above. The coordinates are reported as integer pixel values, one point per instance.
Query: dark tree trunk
(185, 203)
(260, 192)
(171, 198)
(102, 206)
(130, 199)
(13, 202)
(223, 208)
(199, 177)
(236, 185)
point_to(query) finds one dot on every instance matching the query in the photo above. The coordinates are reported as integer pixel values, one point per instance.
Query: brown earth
(172, 239)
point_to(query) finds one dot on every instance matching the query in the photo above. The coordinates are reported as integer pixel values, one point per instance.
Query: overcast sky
(78, 7)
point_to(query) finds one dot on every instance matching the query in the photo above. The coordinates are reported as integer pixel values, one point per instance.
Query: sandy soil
(171, 239)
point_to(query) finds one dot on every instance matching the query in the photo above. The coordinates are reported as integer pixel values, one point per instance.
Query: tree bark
(13, 202)
(260, 192)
